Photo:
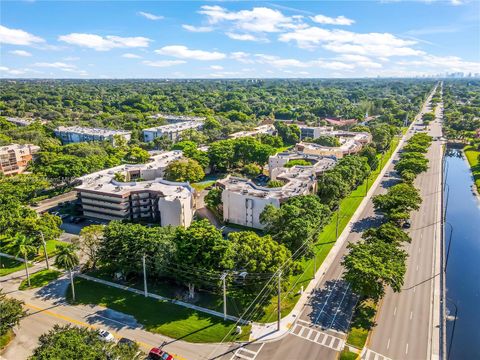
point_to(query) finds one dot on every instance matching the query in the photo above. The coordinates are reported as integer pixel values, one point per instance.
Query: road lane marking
(84, 324)
(417, 267)
(321, 338)
(406, 349)
(388, 344)
(411, 315)
(395, 311)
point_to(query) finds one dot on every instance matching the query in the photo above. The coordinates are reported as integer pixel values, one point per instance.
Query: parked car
(105, 335)
(407, 224)
(159, 354)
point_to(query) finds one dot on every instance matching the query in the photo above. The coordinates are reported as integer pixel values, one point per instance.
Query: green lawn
(202, 185)
(8, 266)
(157, 316)
(472, 157)
(348, 355)
(326, 240)
(40, 278)
(51, 250)
(6, 338)
(362, 322)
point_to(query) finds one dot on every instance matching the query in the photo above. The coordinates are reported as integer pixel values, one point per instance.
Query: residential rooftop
(91, 131)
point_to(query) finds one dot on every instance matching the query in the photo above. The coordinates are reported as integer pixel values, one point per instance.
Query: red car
(159, 354)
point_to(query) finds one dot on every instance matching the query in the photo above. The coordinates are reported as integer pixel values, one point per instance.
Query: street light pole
(279, 315)
(314, 264)
(223, 278)
(336, 227)
(453, 329)
(45, 250)
(144, 277)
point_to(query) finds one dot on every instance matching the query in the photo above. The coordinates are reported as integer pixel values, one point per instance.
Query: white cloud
(104, 43)
(18, 37)
(198, 29)
(342, 41)
(244, 37)
(259, 19)
(183, 52)
(279, 62)
(13, 72)
(61, 66)
(131, 56)
(442, 64)
(20, 53)
(56, 65)
(339, 20)
(150, 16)
(163, 63)
(242, 57)
(216, 67)
(456, 2)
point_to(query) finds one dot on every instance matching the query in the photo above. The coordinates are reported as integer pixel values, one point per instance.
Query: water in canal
(463, 267)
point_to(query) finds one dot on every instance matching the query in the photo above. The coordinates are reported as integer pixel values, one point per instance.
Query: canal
(463, 266)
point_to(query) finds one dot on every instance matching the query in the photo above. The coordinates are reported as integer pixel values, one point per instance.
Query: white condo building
(136, 192)
(170, 118)
(263, 129)
(243, 200)
(350, 143)
(74, 134)
(172, 131)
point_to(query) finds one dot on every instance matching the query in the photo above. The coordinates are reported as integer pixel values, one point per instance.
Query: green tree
(89, 242)
(415, 165)
(297, 220)
(163, 142)
(327, 140)
(275, 184)
(370, 266)
(332, 188)
(214, 198)
(22, 245)
(221, 154)
(397, 203)
(69, 342)
(200, 249)
(290, 134)
(137, 155)
(11, 312)
(184, 170)
(387, 232)
(67, 259)
(251, 170)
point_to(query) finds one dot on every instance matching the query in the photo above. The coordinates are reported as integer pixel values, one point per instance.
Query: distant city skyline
(226, 39)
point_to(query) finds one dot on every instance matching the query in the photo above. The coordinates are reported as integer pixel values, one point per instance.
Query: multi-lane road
(404, 328)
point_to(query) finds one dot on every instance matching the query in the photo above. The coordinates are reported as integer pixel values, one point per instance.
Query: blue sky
(234, 39)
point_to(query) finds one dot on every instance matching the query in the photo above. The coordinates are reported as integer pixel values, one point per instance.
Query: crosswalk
(243, 353)
(372, 355)
(319, 337)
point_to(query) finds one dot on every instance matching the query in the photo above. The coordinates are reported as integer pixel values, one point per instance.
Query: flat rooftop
(91, 131)
(175, 127)
(104, 181)
(173, 117)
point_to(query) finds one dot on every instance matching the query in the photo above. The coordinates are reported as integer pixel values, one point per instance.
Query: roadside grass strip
(472, 157)
(9, 266)
(40, 279)
(326, 240)
(158, 316)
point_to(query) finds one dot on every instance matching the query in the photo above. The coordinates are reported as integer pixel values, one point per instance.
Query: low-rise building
(15, 158)
(341, 122)
(171, 131)
(263, 129)
(172, 119)
(136, 192)
(243, 200)
(74, 134)
(24, 121)
(313, 132)
(350, 143)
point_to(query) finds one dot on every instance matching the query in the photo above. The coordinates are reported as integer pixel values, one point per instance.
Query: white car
(105, 335)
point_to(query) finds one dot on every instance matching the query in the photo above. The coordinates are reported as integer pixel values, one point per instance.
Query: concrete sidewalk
(269, 332)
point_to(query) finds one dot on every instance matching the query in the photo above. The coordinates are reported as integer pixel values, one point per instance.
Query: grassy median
(8, 266)
(158, 316)
(326, 240)
(40, 279)
(472, 157)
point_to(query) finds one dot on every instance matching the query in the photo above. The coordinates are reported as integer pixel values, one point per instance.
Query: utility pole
(336, 227)
(45, 250)
(144, 277)
(223, 278)
(366, 188)
(279, 315)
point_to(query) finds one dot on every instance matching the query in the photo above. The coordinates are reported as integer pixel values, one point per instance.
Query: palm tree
(23, 245)
(67, 259)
